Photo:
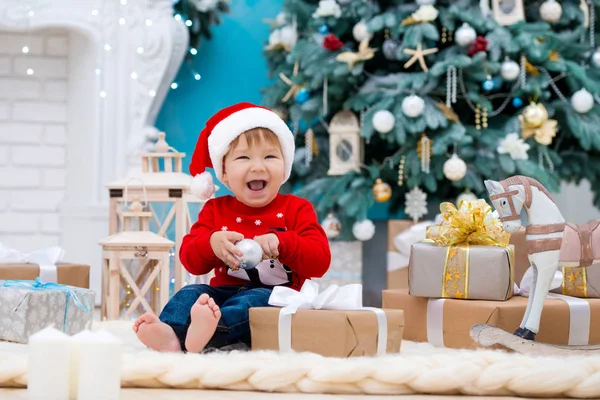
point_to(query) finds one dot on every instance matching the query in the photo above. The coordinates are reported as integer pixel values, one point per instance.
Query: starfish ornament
(364, 53)
(419, 54)
(294, 87)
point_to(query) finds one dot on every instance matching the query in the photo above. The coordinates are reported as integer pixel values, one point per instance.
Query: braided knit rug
(419, 368)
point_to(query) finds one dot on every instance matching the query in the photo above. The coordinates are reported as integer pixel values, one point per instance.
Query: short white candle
(98, 366)
(49, 364)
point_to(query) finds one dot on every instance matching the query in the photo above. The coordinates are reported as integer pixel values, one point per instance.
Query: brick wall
(33, 136)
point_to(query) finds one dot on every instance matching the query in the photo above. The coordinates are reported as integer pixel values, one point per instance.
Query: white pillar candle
(98, 366)
(48, 376)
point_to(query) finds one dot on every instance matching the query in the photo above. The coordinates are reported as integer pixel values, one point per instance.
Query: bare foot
(156, 334)
(205, 315)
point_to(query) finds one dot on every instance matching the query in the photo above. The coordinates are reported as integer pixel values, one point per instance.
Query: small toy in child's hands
(253, 253)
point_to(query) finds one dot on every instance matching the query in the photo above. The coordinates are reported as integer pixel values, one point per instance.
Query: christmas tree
(443, 94)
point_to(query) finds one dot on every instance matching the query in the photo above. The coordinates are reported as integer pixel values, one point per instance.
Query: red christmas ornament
(332, 42)
(479, 44)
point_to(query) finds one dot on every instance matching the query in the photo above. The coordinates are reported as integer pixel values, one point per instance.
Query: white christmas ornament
(332, 226)
(465, 35)
(465, 196)
(425, 2)
(413, 106)
(550, 11)
(455, 168)
(361, 32)
(582, 101)
(363, 230)
(327, 8)
(425, 13)
(205, 5)
(287, 36)
(596, 58)
(509, 70)
(252, 253)
(515, 146)
(383, 121)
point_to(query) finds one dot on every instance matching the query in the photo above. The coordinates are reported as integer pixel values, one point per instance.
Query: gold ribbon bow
(471, 223)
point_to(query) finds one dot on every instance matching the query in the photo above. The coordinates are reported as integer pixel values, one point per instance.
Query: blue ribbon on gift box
(37, 284)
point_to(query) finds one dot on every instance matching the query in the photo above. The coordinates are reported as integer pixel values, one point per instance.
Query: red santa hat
(222, 129)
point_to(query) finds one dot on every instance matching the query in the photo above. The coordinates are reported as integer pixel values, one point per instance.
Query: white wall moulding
(121, 59)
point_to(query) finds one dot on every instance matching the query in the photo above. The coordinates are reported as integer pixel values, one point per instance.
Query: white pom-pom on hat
(203, 186)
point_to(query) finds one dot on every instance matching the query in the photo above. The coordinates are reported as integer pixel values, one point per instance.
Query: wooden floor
(162, 394)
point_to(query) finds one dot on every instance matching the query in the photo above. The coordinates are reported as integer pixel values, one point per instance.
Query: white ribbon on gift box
(579, 312)
(46, 258)
(347, 298)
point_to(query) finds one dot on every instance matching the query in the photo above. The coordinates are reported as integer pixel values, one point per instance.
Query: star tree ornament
(419, 54)
(550, 11)
(363, 230)
(413, 106)
(383, 121)
(582, 101)
(455, 168)
(415, 204)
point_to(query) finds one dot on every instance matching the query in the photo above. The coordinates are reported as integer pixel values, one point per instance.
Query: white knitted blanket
(419, 368)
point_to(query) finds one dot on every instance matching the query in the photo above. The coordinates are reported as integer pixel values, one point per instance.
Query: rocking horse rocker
(551, 243)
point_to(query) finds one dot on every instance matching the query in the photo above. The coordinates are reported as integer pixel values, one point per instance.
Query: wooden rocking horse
(551, 243)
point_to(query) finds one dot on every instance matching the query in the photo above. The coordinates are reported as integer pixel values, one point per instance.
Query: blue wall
(232, 68)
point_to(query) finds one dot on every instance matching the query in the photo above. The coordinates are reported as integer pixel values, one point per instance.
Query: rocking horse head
(510, 196)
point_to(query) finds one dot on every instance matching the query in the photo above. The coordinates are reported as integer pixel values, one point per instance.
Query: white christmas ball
(413, 106)
(332, 226)
(550, 11)
(596, 59)
(361, 32)
(363, 230)
(455, 168)
(252, 253)
(465, 196)
(425, 2)
(510, 70)
(465, 35)
(582, 101)
(383, 121)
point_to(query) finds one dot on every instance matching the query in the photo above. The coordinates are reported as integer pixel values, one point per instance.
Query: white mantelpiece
(103, 134)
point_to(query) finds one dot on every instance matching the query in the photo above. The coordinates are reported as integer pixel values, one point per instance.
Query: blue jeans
(234, 301)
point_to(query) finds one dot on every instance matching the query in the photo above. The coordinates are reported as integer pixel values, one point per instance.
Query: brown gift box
(331, 333)
(68, 274)
(461, 272)
(397, 276)
(460, 315)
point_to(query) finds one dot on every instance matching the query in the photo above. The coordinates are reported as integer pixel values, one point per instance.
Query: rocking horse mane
(526, 182)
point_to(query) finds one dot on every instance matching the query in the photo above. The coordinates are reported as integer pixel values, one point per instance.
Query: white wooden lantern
(169, 186)
(507, 12)
(345, 144)
(151, 252)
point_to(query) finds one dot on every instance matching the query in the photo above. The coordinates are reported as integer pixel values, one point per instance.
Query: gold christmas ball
(382, 191)
(534, 115)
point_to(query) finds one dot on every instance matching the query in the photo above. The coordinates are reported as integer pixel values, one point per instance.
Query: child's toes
(204, 298)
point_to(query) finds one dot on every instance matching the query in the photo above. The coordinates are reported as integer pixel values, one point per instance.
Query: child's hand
(223, 245)
(269, 244)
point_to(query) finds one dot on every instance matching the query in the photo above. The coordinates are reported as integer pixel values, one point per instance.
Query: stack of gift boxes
(451, 284)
